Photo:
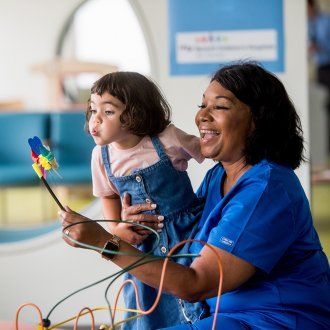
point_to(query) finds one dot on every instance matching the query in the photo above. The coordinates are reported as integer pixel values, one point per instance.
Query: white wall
(295, 78)
(28, 34)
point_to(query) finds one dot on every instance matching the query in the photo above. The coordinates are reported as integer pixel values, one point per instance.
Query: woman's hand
(90, 233)
(133, 214)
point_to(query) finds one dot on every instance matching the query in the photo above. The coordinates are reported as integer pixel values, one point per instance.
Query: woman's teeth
(204, 133)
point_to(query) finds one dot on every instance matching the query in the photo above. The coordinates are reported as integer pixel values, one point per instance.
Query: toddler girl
(139, 152)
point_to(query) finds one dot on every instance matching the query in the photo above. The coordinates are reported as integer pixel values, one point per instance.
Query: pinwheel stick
(37, 170)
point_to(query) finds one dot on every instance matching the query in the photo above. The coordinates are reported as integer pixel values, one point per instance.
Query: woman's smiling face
(224, 122)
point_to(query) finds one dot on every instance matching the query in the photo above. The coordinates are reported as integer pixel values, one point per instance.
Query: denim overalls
(171, 190)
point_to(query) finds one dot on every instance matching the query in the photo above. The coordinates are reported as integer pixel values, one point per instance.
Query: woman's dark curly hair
(277, 135)
(146, 109)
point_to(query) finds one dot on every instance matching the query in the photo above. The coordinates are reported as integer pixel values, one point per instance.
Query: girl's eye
(109, 112)
(202, 106)
(92, 111)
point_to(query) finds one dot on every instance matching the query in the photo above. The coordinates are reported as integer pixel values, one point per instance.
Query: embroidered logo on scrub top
(226, 241)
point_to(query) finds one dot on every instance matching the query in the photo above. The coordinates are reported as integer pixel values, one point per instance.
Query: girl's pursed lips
(94, 132)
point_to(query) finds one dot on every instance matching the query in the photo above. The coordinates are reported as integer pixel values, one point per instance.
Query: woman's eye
(202, 106)
(221, 107)
(92, 111)
(109, 112)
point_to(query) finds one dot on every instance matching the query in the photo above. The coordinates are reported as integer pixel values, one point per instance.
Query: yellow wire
(100, 309)
(126, 320)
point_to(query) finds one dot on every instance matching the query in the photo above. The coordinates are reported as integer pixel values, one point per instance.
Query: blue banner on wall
(206, 34)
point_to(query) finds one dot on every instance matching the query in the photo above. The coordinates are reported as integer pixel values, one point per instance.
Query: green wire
(92, 248)
(120, 272)
(95, 248)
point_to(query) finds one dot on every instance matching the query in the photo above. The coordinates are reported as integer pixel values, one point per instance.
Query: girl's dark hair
(277, 135)
(146, 109)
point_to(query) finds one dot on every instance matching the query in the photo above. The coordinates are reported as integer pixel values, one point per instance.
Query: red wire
(79, 314)
(21, 307)
(152, 308)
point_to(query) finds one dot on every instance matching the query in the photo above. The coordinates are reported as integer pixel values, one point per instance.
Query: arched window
(105, 31)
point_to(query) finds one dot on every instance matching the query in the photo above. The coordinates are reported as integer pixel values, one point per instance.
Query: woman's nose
(203, 115)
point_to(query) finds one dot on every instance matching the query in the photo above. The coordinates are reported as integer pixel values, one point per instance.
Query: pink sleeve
(180, 147)
(101, 185)
(188, 143)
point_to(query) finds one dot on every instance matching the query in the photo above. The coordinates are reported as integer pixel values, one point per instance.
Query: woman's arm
(194, 283)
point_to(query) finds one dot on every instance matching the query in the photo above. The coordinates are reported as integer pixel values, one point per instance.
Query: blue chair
(72, 147)
(15, 153)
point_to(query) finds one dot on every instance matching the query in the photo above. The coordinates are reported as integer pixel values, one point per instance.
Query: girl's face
(224, 123)
(104, 123)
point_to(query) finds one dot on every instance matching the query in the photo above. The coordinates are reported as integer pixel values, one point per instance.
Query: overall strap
(106, 159)
(159, 147)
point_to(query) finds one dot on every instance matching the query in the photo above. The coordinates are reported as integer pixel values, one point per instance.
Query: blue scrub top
(265, 219)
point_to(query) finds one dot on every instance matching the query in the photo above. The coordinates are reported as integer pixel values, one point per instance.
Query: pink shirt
(178, 145)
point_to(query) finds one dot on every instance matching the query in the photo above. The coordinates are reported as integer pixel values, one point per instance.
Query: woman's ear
(252, 124)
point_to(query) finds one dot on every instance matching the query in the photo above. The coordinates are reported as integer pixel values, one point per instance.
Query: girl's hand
(127, 232)
(90, 233)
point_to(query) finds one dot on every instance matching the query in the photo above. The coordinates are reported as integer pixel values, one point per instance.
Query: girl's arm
(111, 209)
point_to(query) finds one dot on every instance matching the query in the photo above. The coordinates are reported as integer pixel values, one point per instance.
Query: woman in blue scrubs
(257, 216)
